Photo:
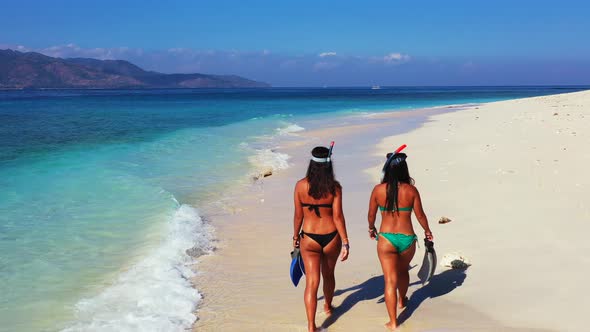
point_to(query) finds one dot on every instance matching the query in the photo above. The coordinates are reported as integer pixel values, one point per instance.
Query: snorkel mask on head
(327, 159)
(393, 160)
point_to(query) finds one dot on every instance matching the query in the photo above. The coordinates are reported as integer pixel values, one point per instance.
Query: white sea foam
(269, 160)
(289, 129)
(155, 294)
(369, 114)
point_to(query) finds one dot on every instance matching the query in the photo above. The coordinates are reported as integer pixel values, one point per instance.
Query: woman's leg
(389, 263)
(403, 274)
(311, 253)
(329, 259)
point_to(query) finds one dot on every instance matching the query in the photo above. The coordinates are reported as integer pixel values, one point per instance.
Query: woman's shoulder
(380, 186)
(410, 188)
(301, 182)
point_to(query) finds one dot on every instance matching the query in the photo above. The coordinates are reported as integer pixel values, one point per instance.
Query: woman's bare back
(396, 221)
(322, 224)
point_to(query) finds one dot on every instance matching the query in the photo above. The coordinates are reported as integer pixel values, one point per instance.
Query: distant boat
(375, 87)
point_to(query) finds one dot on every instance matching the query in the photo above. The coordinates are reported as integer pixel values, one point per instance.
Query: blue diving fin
(296, 270)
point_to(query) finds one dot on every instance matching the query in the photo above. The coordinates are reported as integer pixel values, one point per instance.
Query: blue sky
(311, 43)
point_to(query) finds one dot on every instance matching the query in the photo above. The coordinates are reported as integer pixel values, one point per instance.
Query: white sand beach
(511, 177)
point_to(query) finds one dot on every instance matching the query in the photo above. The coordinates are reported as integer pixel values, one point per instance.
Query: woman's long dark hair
(396, 172)
(320, 176)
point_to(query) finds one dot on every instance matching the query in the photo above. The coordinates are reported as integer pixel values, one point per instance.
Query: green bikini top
(383, 208)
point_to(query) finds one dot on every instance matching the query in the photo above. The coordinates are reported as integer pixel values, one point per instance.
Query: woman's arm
(372, 214)
(297, 217)
(340, 223)
(421, 216)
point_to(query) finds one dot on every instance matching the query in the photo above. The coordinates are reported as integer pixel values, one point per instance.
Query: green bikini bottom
(401, 242)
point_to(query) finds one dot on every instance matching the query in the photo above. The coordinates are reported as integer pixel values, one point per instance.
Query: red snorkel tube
(403, 146)
(330, 151)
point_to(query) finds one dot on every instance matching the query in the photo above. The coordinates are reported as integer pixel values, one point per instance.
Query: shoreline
(260, 195)
(245, 284)
(260, 139)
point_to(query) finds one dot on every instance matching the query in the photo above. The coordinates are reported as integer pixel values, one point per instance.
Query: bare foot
(328, 309)
(403, 302)
(391, 325)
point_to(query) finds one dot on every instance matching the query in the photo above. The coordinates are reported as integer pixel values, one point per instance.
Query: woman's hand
(428, 235)
(373, 233)
(344, 252)
(296, 241)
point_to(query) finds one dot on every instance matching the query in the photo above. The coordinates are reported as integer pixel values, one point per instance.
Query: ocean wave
(289, 129)
(155, 294)
(266, 161)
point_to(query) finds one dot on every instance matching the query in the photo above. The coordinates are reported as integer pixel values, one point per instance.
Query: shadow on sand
(440, 284)
(368, 290)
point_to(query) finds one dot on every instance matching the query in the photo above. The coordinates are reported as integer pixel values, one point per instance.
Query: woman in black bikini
(318, 201)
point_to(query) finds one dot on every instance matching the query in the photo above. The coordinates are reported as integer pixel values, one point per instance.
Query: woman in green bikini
(319, 230)
(396, 197)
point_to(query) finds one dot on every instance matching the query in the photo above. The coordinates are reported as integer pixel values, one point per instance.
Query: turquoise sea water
(100, 191)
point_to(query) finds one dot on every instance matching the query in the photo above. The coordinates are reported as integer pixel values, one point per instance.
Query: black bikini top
(316, 207)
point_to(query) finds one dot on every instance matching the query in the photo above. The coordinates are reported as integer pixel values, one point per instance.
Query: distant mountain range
(32, 70)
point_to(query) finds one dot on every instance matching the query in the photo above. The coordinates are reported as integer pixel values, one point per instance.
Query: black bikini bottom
(321, 239)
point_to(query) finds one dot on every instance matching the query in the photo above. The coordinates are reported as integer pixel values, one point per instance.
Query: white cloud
(326, 54)
(73, 51)
(177, 50)
(389, 59)
(396, 58)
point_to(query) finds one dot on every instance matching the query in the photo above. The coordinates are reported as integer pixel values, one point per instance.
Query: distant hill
(20, 70)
